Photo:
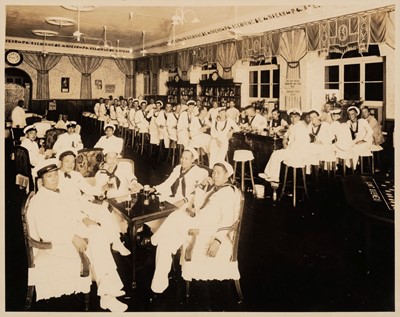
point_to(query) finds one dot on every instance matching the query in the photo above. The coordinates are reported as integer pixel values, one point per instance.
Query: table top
(359, 192)
(139, 212)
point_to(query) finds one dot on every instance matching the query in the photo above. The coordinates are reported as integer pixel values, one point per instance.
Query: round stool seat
(295, 163)
(327, 157)
(365, 153)
(243, 156)
(92, 115)
(376, 148)
(86, 114)
(344, 154)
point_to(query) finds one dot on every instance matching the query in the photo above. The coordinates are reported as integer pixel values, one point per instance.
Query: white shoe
(264, 176)
(119, 247)
(112, 304)
(118, 293)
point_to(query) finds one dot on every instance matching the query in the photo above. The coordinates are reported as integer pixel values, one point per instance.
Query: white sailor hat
(143, 101)
(135, 100)
(160, 102)
(71, 124)
(30, 128)
(294, 111)
(221, 109)
(45, 166)
(191, 102)
(335, 111)
(193, 151)
(227, 166)
(66, 151)
(354, 108)
(109, 125)
(314, 111)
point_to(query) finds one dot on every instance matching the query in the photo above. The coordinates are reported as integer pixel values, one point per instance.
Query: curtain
(227, 57)
(168, 61)
(184, 63)
(127, 66)
(378, 27)
(142, 65)
(293, 49)
(312, 37)
(154, 64)
(42, 64)
(86, 65)
(390, 34)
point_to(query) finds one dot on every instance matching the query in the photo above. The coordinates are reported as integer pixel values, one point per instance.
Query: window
(264, 81)
(207, 70)
(172, 73)
(150, 84)
(357, 78)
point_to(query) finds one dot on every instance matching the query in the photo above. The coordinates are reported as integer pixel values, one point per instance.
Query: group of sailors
(326, 135)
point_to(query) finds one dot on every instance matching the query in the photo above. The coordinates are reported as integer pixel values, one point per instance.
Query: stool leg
(334, 169)
(234, 169)
(284, 182)
(294, 186)
(328, 167)
(352, 165)
(304, 181)
(242, 180)
(251, 176)
(372, 164)
(344, 166)
(362, 165)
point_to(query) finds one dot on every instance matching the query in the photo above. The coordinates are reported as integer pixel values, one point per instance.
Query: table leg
(133, 236)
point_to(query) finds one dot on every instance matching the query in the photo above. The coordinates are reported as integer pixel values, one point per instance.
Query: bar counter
(262, 147)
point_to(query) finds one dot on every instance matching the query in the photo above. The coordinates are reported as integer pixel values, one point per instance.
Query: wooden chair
(23, 168)
(226, 265)
(31, 243)
(51, 137)
(88, 161)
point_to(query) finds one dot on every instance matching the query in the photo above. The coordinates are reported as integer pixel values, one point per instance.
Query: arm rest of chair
(85, 270)
(189, 249)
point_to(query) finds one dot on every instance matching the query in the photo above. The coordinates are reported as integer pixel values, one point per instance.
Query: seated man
(62, 122)
(257, 122)
(114, 178)
(109, 140)
(321, 137)
(361, 133)
(36, 155)
(73, 185)
(69, 139)
(178, 187)
(70, 232)
(211, 211)
(377, 136)
(276, 124)
(296, 143)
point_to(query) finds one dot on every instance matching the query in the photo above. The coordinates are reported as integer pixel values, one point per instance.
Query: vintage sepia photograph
(199, 157)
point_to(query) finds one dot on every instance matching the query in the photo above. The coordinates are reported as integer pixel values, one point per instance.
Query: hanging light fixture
(45, 34)
(179, 19)
(104, 43)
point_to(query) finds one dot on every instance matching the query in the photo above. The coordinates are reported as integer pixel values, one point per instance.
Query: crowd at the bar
(74, 215)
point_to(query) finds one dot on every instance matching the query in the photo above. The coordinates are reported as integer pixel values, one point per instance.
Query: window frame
(259, 84)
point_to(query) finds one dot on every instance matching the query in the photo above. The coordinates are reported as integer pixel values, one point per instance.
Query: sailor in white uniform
(69, 139)
(109, 140)
(36, 155)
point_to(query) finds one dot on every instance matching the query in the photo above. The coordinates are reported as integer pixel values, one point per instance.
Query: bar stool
(140, 141)
(294, 165)
(172, 151)
(376, 149)
(202, 153)
(329, 159)
(244, 156)
(342, 156)
(367, 154)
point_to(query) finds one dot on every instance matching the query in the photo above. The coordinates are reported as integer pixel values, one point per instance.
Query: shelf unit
(215, 88)
(180, 91)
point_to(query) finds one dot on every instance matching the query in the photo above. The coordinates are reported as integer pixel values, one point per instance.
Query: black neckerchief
(174, 186)
(112, 175)
(275, 123)
(216, 128)
(353, 132)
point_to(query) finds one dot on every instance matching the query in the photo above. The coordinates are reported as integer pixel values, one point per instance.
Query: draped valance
(349, 33)
(143, 65)
(42, 64)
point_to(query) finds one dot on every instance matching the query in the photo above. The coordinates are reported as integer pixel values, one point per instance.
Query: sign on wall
(110, 88)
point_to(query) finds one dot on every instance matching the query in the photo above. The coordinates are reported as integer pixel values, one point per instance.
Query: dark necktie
(67, 175)
(175, 185)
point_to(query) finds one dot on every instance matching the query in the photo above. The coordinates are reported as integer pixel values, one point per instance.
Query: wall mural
(13, 93)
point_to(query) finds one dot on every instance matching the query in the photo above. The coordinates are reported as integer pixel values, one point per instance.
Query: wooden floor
(308, 258)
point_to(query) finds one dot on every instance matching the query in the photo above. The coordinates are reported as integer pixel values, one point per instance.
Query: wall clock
(13, 58)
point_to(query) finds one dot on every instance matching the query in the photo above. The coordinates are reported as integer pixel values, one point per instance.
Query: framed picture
(64, 84)
(98, 83)
(110, 88)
